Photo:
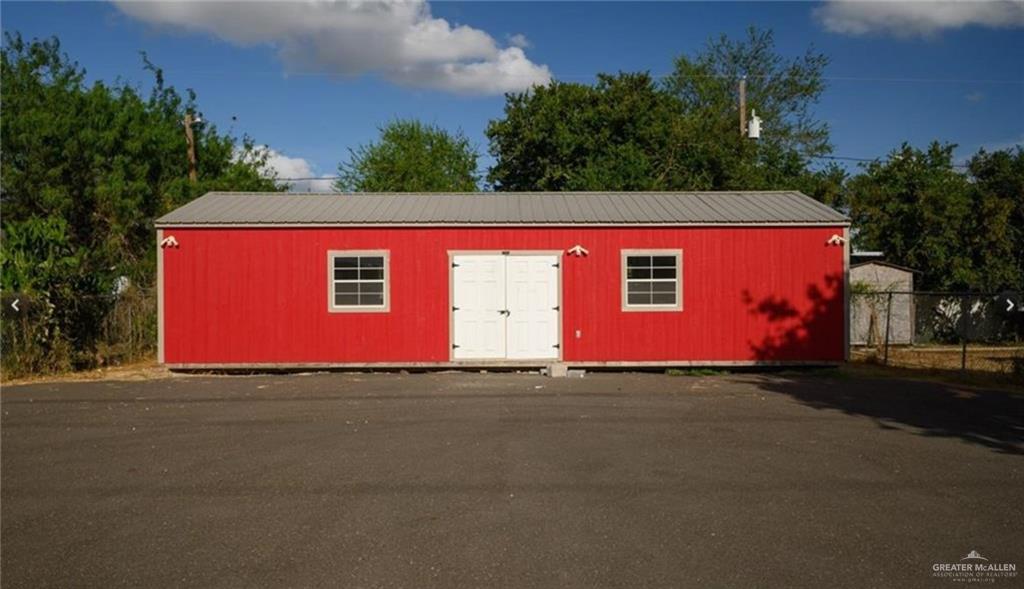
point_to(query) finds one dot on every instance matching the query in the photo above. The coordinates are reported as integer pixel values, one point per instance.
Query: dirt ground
(938, 364)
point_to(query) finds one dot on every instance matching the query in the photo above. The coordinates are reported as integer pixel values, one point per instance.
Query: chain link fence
(41, 334)
(981, 332)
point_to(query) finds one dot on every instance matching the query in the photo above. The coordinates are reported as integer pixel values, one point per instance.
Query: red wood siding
(259, 295)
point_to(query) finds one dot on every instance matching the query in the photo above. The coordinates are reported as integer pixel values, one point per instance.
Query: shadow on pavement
(993, 419)
(989, 418)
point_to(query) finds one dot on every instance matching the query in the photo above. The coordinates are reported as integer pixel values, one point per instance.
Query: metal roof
(504, 208)
(884, 263)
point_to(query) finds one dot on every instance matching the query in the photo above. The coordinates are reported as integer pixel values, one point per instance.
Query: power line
(575, 76)
(311, 178)
(863, 159)
(923, 80)
(844, 158)
(834, 158)
(838, 158)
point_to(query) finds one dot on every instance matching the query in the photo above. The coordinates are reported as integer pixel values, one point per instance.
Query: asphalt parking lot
(512, 480)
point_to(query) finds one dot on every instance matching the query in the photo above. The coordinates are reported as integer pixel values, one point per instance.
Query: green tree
(1000, 175)
(84, 170)
(411, 156)
(783, 92)
(616, 135)
(628, 132)
(923, 213)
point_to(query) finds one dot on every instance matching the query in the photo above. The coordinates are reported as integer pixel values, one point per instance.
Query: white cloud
(519, 40)
(288, 167)
(282, 166)
(397, 39)
(505, 73)
(323, 184)
(907, 18)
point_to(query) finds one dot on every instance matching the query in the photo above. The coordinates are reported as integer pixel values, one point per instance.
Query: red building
(586, 279)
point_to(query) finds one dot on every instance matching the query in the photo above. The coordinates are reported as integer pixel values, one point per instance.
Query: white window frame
(678, 254)
(386, 288)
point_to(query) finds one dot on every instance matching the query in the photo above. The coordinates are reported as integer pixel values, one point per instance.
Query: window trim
(332, 308)
(625, 306)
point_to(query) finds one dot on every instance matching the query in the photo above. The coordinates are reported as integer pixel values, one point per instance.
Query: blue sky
(313, 82)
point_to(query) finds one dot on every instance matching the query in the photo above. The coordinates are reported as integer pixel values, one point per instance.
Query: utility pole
(743, 106)
(190, 139)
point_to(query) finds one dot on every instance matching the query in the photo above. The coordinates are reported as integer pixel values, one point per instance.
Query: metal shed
(870, 308)
(586, 279)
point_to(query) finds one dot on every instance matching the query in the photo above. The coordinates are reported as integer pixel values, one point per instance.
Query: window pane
(638, 273)
(639, 298)
(371, 287)
(345, 274)
(664, 273)
(371, 299)
(663, 286)
(371, 273)
(663, 261)
(371, 262)
(346, 300)
(346, 262)
(664, 298)
(638, 261)
(346, 287)
(633, 287)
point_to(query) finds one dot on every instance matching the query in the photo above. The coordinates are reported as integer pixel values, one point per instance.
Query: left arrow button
(14, 305)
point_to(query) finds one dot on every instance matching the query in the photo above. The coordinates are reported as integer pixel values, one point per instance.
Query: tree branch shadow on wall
(990, 418)
(814, 333)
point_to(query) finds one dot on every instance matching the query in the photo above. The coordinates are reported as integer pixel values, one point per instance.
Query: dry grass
(987, 366)
(994, 359)
(144, 370)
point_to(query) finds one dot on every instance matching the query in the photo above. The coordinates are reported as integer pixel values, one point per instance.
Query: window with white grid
(652, 280)
(358, 281)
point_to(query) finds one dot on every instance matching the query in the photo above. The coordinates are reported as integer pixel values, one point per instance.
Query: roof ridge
(716, 193)
(621, 208)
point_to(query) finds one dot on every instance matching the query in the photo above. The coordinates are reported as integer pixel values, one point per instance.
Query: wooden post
(963, 333)
(888, 315)
(743, 106)
(190, 139)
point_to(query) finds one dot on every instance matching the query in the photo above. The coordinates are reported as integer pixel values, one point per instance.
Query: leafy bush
(84, 171)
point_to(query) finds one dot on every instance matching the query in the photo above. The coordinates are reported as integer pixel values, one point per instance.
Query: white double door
(505, 306)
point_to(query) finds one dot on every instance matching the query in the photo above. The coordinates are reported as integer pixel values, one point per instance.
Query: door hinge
(556, 308)
(455, 346)
(454, 265)
(556, 265)
(455, 308)
(556, 346)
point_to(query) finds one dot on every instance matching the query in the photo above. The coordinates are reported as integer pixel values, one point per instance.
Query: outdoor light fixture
(578, 251)
(754, 127)
(836, 239)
